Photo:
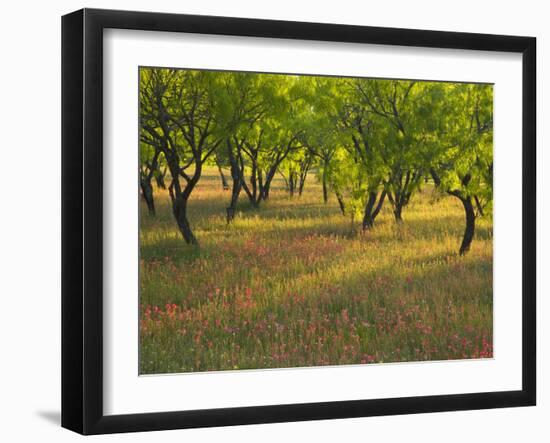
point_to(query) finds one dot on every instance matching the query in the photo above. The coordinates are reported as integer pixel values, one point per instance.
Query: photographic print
(292, 220)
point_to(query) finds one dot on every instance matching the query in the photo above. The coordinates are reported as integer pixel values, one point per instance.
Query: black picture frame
(82, 218)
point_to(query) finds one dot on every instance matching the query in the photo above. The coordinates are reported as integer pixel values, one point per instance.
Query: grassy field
(293, 284)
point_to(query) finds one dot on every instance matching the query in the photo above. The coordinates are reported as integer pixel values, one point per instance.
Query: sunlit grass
(295, 284)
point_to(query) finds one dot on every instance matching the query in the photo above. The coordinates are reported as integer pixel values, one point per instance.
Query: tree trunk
(147, 194)
(379, 205)
(301, 186)
(341, 203)
(159, 178)
(479, 206)
(397, 212)
(469, 212)
(398, 201)
(252, 195)
(302, 182)
(235, 191)
(180, 198)
(372, 209)
(470, 225)
(267, 185)
(225, 185)
(179, 207)
(291, 183)
(368, 220)
(325, 190)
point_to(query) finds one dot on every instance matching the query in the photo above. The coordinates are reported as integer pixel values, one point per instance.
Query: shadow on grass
(447, 275)
(170, 241)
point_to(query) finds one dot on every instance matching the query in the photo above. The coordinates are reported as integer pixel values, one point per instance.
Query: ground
(293, 283)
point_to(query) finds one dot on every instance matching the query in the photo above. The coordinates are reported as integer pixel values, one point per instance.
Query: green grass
(294, 284)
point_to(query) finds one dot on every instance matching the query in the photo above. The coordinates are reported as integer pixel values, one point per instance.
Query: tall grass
(295, 284)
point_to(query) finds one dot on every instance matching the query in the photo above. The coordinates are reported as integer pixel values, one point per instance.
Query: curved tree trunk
(372, 209)
(180, 198)
(368, 220)
(469, 211)
(147, 194)
(341, 204)
(179, 207)
(470, 225)
(266, 185)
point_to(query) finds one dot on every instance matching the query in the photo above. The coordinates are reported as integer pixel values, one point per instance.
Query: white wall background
(30, 218)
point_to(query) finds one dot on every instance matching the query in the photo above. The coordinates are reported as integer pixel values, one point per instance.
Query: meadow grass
(293, 283)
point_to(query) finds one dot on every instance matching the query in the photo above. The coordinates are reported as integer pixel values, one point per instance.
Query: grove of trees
(370, 142)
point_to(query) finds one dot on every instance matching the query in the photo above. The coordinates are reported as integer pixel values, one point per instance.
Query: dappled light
(291, 220)
(272, 290)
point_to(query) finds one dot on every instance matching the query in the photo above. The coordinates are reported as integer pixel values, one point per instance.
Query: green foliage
(363, 137)
(462, 155)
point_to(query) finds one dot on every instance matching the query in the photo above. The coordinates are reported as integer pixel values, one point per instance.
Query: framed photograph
(268, 221)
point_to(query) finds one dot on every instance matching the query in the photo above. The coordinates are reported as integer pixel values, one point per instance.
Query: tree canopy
(368, 141)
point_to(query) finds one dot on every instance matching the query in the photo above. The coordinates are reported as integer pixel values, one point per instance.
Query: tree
(321, 140)
(149, 153)
(264, 152)
(363, 135)
(294, 170)
(245, 98)
(462, 163)
(325, 153)
(407, 108)
(346, 175)
(265, 129)
(321, 137)
(370, 140)
(178, 113)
